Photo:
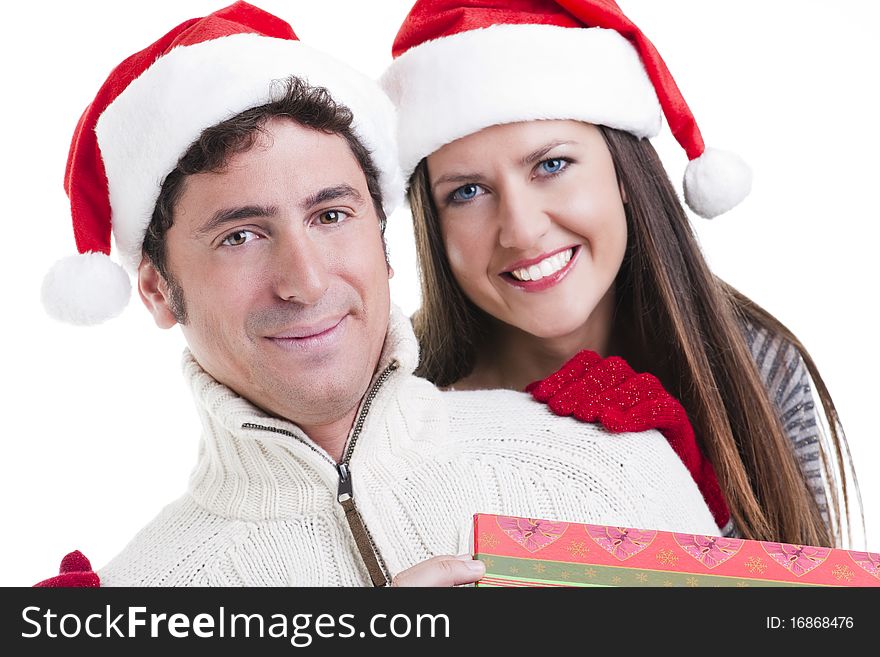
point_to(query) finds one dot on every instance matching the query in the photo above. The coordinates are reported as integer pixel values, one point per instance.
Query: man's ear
(155, 294)
(390, 272)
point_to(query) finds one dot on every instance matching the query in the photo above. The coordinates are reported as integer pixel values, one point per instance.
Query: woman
(539, 238)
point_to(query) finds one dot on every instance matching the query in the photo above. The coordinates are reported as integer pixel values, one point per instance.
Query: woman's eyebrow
(458, 178)
(527, 160)
(539, 153)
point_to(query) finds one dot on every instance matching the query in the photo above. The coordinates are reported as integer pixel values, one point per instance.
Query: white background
(98, 430)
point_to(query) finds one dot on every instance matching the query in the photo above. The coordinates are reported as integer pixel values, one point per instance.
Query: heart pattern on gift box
(797, 559)
(532, 534)
(867, 561)
(710, 551)
(621, 542)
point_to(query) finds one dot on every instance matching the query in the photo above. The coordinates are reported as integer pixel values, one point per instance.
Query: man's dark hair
(312, 107)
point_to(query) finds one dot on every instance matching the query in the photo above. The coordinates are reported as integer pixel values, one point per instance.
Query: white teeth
(547, 267)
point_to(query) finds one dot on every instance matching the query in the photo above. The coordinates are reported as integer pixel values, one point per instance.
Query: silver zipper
(370, 554)
(285, 432)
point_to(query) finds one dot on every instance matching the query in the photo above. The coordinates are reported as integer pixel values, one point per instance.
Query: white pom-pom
(715, 182)
(85, 289)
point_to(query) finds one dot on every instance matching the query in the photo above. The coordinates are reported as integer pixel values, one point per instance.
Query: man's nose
(522, 221)
(300, 270)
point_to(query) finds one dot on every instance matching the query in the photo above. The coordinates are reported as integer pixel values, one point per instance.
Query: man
(251, 204)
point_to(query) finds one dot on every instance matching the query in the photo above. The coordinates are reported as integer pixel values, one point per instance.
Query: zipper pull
(345, 491)
(345, 496)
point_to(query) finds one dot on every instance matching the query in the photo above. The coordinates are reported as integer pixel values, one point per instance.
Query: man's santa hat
(464, 65)
(148, 113)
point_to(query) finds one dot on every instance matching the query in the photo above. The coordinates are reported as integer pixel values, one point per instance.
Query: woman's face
(533, 222)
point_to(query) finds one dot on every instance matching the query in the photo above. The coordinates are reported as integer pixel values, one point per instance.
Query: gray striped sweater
(787, 380)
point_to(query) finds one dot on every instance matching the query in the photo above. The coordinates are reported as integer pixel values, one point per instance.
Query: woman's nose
(522, 221)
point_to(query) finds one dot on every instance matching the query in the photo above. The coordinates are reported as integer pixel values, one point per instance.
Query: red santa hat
(463, 65)
(148, 113)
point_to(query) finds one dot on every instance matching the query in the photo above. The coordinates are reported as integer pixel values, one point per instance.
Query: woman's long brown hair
(673, 318)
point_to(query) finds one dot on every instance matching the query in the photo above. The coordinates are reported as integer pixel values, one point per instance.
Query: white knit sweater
(262, 506)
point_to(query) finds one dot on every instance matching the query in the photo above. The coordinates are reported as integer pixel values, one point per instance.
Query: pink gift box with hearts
(535, 552)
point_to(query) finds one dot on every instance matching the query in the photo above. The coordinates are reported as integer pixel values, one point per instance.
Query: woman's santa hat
(152, 108)
(464, 65)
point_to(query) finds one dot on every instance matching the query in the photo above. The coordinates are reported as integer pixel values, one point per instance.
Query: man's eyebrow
(331, 194)
(230, 215)
(539, 153)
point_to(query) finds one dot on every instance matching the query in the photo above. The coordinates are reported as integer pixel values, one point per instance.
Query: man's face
(281, 265)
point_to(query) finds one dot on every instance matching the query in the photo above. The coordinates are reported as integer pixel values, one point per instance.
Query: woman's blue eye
(553, 166)
(466, 193)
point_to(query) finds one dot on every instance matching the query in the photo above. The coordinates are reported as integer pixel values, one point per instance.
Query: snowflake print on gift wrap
(667, 557)
(797, 559)
(621, 542)
(867, 561)
(488, 540)
(710, 551)
(841, 572)
(577, 549)
(532, 534)
(756, 565)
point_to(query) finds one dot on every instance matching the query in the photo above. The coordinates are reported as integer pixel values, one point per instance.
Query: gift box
(533, 552)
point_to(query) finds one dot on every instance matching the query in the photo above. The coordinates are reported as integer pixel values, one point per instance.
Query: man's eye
(331, 217)
(238, 238)
(466, 193)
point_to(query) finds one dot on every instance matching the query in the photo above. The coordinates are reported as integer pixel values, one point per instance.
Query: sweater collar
(253, 464)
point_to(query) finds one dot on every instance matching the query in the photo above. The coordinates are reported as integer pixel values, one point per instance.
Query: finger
(74, 562)
(575, 401)
(608, 373)
(571, 371)
(443, 570)
(634, 391)
(663, 414)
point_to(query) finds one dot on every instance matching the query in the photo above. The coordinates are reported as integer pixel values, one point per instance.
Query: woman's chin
(551, 329)
(577, 316)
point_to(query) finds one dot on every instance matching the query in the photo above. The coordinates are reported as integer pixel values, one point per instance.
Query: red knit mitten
(75, 570)
(608, 391)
